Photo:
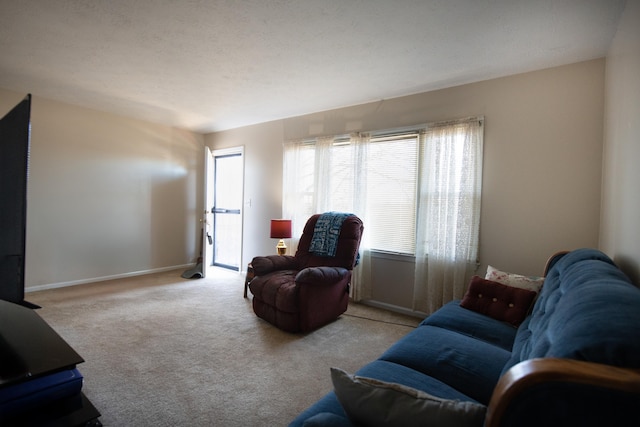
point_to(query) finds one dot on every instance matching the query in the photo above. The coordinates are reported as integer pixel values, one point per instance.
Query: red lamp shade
(280, 228)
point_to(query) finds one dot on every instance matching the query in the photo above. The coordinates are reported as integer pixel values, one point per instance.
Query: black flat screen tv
(15, 138)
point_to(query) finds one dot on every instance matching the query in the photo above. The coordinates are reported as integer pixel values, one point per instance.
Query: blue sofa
(574, 360)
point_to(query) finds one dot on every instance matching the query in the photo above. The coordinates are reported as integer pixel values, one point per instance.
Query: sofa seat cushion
(277, 289)
(587, 310)
(392, 372)
(328, 404)
(476, 325)
(327, 419)
(573, 404)
(467, 364)
(383, 371)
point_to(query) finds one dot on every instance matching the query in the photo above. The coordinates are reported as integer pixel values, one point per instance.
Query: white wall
(542, 164)
(108, 196)
(263, 182)
(620, 227)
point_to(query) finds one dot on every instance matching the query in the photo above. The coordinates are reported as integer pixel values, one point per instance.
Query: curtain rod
(399, 130)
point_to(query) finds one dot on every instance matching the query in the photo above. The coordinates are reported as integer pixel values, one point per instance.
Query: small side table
(249, 277)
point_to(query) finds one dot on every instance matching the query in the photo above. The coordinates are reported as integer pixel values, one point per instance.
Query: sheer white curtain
(448, 212)
(328, 174)
(297, 187)
(361, 278)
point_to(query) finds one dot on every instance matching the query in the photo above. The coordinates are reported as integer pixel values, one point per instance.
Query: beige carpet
(165, 351)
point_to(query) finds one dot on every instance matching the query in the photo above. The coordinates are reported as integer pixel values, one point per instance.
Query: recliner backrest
(347, 247)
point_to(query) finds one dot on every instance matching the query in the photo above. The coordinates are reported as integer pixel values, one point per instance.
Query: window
(378, 182)
(376, 176)
(392, 176)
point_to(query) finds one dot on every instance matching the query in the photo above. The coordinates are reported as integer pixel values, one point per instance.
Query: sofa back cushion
(587, 310)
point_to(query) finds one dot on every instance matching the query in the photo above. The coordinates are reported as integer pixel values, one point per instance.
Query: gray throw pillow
(372, 402)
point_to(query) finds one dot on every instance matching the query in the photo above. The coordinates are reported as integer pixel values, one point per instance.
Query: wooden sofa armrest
(540, 372)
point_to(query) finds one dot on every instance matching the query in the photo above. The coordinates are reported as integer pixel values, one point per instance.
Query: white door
(228, 182)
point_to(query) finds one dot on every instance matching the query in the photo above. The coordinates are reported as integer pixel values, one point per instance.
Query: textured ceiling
(210, 65)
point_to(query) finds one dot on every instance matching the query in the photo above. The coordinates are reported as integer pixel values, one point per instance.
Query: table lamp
(281, 229)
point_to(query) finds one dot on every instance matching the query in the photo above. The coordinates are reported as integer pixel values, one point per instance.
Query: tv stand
(24, 338)
(30, 305)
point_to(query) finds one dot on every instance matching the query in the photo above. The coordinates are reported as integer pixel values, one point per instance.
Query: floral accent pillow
(531, 283)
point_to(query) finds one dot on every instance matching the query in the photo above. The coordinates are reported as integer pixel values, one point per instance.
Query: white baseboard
(394, 308)
(104, 278)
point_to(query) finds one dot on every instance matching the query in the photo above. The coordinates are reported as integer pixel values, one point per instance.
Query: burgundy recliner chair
(303, 292)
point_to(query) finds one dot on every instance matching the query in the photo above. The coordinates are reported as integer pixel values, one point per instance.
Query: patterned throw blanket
(326, 232)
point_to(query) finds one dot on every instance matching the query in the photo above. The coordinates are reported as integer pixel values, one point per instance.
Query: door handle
(229, 211)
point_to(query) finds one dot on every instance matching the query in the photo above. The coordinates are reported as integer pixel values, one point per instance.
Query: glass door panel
(227, 218)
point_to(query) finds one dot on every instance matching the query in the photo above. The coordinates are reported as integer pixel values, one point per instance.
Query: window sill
(393, 256)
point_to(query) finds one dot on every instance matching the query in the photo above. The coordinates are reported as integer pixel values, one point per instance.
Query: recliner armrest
(321, 275)
(565, 392)
(266, 264)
